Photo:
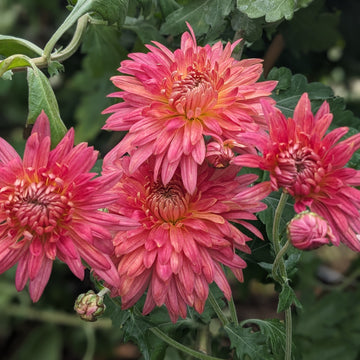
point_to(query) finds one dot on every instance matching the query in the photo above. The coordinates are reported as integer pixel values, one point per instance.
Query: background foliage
(307, 46)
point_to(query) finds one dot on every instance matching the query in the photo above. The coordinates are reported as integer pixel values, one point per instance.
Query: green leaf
(200, 14)
(283, 76)
(10, 45)
(54, 68)
(146, 31)
(312, 29)
(272, 10)
(7, 75)
(251, 29)
(287, 297)
(111, 10)
(103, 50)
(11, 62)
(247, 344)
(42, 97)
(168, 6)
(274, 331)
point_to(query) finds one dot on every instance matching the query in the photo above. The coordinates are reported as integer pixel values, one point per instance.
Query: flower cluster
(175, 203)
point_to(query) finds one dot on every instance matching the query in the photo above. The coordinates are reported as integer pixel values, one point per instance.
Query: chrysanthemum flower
(49, 208)
(172, 99)
(183, 238)
(308, 231)
(309, 165)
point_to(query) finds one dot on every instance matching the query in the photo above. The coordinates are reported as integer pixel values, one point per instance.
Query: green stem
(80, 9)
(181, 347)
(233, 313)
(91, 342)
(217, 309)
(55, 317)
(279, 266)
(42, 61)
(278, 259)
(75, 42)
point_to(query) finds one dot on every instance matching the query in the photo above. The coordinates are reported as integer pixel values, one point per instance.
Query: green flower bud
(89, 306)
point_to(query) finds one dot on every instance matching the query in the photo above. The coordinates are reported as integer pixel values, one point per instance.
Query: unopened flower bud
(218, 154)
(308, 231)
(90, 306)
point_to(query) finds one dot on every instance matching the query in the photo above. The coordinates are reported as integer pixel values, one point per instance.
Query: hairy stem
(222, 317)
(279, 268)
(234, 317)
(196, 354)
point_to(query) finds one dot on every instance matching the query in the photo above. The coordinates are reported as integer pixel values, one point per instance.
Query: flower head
(172, 99)
(308, 231)
(49, 208)
(308, 163)
(89, 306)
(183, 238)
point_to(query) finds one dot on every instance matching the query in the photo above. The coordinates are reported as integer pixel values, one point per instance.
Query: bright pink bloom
(182, 239)
(309, 165)
(308, 231)
(172, 99)
(49, 208)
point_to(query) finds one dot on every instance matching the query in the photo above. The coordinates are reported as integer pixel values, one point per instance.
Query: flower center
(299, 170)
(193, 95)
(38, 207)
(169, 202)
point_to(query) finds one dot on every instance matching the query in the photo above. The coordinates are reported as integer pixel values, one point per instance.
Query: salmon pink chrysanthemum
(309, 164)
(49, 208)
(183, 238)
(172, 99)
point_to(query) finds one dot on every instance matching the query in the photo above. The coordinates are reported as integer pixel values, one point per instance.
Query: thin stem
(233, 313)
(90, 344)
(55, 317)
(222, 317)
(279, 258)
(288, 333)
(280, 265)
(181, 347)
(81, 8)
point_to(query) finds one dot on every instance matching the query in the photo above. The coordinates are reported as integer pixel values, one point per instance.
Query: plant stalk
(279, 267)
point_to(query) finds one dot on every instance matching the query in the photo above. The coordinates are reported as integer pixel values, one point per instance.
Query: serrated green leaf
(246, 342)
(103, 50)
(274, 331)
(42, 97)
(251, 29)
(111, 10)
(146, 31)
(10, 45)
(200, 14)
(282, 75)
(54, 68)
(272, 10)
(287, 97)
(287, 297)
